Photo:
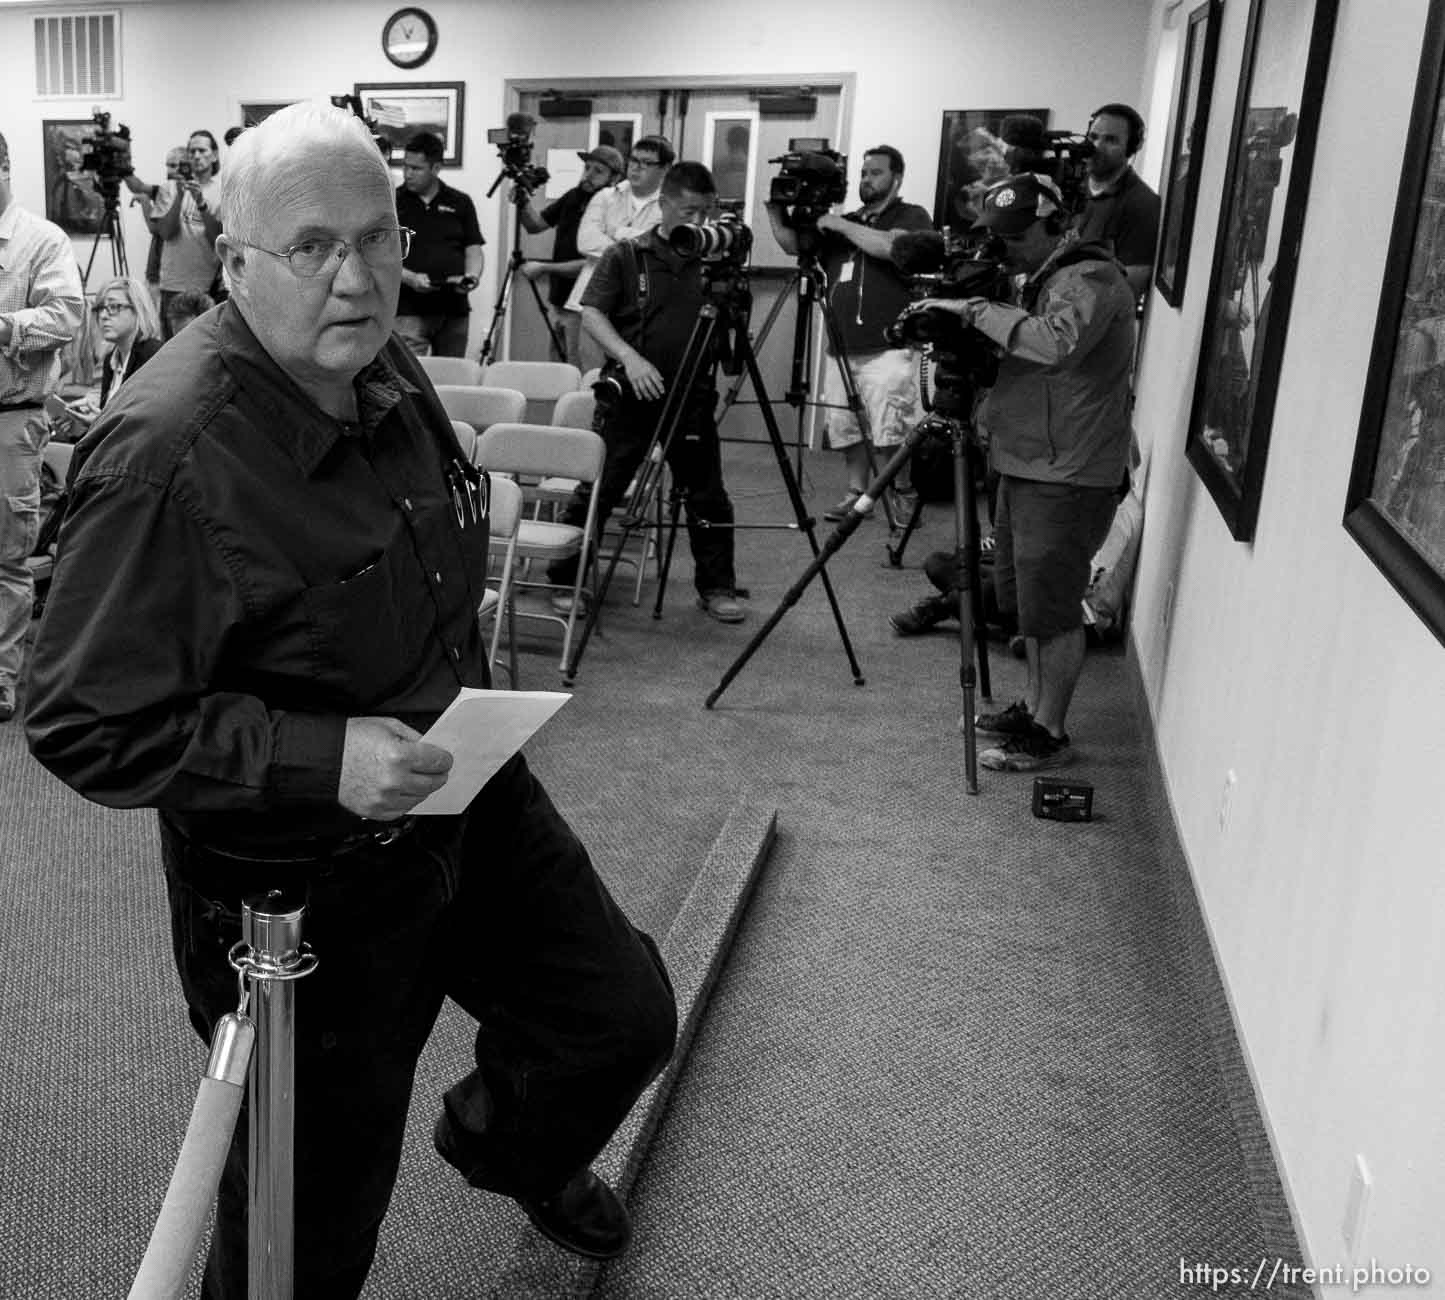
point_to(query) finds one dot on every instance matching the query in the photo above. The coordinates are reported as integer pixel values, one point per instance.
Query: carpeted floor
(957, 1051)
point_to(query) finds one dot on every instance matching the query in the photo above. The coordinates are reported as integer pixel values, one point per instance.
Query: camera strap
(644, 285)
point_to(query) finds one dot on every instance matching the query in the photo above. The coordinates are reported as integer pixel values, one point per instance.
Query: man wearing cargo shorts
(1057, 419)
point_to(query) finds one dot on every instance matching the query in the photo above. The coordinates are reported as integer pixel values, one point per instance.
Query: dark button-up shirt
(238, 574)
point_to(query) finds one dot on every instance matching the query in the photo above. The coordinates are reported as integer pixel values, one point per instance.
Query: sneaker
(1016, 720)
(1029, 752)
(837, 513)
(562, 604)
(928, 613)
(722, 606)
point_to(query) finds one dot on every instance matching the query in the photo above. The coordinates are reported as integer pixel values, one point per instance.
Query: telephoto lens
(712, 239)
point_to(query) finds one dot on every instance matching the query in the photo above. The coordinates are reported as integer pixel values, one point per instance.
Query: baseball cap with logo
(607, 156)
(1015, 203)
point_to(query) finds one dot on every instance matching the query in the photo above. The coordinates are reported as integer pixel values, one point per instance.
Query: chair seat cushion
(538, 539)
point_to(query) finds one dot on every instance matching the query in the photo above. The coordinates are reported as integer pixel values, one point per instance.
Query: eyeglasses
(313, 257)
(112, 308)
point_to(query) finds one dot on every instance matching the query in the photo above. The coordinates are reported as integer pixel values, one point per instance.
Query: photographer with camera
(604, 169)
(187, 216)
(446, 257)
(1057, 420)
(1119, 206)
(866, 291)
(641, 305)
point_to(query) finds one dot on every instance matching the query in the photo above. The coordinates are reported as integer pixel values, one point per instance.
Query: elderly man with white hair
(266, 592)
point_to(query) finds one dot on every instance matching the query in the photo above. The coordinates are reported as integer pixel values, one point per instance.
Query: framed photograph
(1186, 148)
(402, 108)
(731, 141)
(1266, 188)
(1395, 507)
(970, 159)
(72, 199)
(256, 111)
(617, 129)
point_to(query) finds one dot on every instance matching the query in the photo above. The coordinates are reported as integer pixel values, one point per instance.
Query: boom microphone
(1025, 142)
(916, 252)
(521, 123)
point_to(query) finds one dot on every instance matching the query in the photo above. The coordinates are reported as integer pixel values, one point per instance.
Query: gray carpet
(956, 1051)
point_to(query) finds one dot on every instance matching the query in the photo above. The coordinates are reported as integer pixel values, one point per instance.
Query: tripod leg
(895, 553)
(731, 396)
(965, 535)
(499, 310)
(559, 349)
(663, 569)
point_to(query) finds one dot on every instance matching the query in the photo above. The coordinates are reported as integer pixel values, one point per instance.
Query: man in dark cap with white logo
(1057, 419)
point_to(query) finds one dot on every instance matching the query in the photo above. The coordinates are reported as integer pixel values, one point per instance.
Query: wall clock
(409, 37)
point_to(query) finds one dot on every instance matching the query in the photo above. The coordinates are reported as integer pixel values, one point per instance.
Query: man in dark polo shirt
(445, 261)
(564, 214)
(1120, 209)
(265, 594)
(641, 305)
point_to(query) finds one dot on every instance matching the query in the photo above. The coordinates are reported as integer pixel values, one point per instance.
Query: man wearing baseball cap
(604, 167)
(1057, 419)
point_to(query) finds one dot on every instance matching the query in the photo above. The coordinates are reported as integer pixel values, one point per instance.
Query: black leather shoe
(928, 613)
(585, 1217)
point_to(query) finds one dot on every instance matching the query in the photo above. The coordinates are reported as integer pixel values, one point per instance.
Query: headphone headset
(1136, 124)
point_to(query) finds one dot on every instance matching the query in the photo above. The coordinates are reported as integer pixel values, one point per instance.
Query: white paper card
(564, 170)
(482, 730)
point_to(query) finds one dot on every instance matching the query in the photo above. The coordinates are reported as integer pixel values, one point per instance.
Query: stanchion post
(271, 929)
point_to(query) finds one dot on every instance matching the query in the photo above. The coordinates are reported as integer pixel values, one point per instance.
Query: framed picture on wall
(1266, 188)
(1395, 507)
(1186, 148)
(970, 159)
(402, 108)
(732, 157)
(72, 199)
(617, 129)
(255, 111)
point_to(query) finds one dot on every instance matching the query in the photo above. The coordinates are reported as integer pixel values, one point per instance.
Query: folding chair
(540, 450)
(466, 436)
(497, 603)
(590, 378)
(480, 405)
(543, 382)
(452, 370)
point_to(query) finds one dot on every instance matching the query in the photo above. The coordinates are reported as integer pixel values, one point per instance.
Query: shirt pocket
(369, 632)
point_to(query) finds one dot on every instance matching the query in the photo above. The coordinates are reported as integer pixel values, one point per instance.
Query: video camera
(107, 154)
(514, 148)
(1062, 156)
(353, 102)
(813, 178)
(945, 267)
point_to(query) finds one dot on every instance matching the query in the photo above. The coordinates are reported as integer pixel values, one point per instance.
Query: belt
(384, 836)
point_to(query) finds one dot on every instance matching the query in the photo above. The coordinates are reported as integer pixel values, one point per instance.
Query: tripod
(957, 426)
(724, 317)
(109, 229)
(504, 292)
(810, 285)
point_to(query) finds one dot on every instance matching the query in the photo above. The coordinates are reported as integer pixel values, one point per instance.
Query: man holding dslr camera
(641, 304)
(1057, 420)
(187, 217)
(866, 291)
(445, 261)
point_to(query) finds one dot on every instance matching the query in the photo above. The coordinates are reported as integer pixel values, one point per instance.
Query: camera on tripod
(108, 154)
(514, 149)
(813, 178)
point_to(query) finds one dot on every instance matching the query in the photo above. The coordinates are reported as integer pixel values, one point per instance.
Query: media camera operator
(187, 216)
(446, 257)
(604, 168)
(1057, 419)
(641, 305)
(866, 291)
(1119, 206)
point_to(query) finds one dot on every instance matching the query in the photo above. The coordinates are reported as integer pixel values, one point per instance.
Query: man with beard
(866, 291)
(604, 168)
(1120, 208)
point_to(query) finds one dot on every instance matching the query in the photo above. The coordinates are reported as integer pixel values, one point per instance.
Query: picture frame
(255, 111)
(402, 108)
(1395, 503)
(731, 143)
(970, 159)
(1187, 134)
(1246, 316)
(73, 200)
(616, 129)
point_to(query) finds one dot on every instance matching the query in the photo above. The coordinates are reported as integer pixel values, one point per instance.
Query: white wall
(187, 65)
(1292, 662)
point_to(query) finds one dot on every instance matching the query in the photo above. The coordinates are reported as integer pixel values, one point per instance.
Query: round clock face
(409, 38)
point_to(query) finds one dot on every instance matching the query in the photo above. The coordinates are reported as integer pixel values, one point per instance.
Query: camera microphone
(1025, 141)
(916, 252)
(521, 123)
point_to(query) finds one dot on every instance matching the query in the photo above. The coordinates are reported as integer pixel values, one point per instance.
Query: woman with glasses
(130, 331)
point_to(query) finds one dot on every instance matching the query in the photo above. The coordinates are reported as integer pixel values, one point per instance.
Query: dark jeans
(501, 910)
(695, 458)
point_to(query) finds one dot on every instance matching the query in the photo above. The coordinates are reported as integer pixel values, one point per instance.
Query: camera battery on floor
(1063, 801)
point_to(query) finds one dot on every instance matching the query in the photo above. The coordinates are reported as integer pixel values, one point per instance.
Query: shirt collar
(296, 423)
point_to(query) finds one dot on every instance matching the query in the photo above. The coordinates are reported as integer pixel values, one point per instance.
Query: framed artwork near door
(970, 159)
(255, 111)
(72, 196)
(402, 108)
(732, 157)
